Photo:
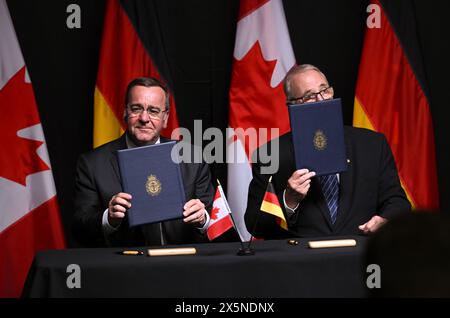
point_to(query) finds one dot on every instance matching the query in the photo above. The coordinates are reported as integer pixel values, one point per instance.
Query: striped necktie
(330, 190)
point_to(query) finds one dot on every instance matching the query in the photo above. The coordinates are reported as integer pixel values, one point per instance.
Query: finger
(298, 173)
(306, 177)
(191, 203)
(124, 195)
(195, 217)
(122, 202)
(296, 183)
(301, 181)
(301, 172)
(303, 184)
(302, 189)
(363, 226)
(193, 209)
(117, 215)
(306, 189)
(120, 196)
(364, 229)
(118, 208)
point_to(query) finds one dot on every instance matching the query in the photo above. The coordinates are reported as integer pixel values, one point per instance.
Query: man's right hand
(298, 186)
(117, 208)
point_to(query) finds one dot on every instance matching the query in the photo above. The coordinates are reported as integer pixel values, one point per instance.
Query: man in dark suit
(101, 205)
(357, 201)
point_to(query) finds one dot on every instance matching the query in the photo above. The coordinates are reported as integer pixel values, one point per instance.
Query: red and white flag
(262, 56)
(220, 215)
(29, 213)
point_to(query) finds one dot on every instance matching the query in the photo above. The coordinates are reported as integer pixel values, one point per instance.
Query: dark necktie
(330, 190)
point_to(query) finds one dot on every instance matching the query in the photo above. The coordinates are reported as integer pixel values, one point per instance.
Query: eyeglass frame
(290, 101)
(147, 110)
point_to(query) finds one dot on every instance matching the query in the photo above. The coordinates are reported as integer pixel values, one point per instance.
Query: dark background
(63, 62)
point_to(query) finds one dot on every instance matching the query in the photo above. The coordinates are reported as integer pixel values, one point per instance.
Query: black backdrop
(63, 63)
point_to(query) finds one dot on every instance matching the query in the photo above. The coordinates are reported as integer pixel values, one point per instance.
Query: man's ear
(166, 120)
(125, 115)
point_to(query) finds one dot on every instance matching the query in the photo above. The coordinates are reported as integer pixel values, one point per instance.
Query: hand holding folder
(318, 136)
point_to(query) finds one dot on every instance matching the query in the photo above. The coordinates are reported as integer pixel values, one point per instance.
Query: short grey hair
(297, 69)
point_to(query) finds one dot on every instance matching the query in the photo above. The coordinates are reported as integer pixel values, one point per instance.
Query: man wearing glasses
(100, 204)
(357, 201)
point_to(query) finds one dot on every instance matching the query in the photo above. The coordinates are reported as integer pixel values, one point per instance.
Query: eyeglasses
(325, 93)
(153, 112)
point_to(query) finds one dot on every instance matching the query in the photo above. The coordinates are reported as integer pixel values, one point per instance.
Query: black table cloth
(277, 270)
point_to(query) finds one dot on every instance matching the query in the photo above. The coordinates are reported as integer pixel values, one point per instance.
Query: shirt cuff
(107, 228)
(288, 209)
(206, 225)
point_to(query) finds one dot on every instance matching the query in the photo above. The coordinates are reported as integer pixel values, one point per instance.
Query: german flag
(391, 97)
(128, 37)
(271, 205)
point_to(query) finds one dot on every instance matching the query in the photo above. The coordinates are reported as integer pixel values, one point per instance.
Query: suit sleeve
(204, 191)
(203, 187)
(87, 224)
(392, 199)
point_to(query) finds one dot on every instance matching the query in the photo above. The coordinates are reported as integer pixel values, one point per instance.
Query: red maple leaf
(253, 101)
(18, 157)
(215, 213)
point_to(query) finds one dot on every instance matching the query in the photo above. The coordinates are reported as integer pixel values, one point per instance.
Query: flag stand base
(245, 252)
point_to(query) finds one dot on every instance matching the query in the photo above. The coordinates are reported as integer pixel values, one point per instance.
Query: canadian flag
(220, 216)
(262, 56)
(29, 216)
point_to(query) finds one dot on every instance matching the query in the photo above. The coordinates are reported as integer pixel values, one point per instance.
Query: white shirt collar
(131, 144)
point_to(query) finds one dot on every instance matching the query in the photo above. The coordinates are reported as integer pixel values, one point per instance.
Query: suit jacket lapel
(345, 188)
(121, 144)
(115, 166)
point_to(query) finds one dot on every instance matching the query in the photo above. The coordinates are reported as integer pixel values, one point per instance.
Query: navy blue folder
(154, 180)
(318, 136)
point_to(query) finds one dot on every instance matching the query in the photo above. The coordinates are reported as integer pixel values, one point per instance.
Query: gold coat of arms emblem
(320, 140)
(153, 185)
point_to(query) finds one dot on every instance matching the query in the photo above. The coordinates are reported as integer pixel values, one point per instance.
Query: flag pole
(231, 215)
(254, 228)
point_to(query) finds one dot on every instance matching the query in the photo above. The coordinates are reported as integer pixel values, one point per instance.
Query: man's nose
(144, 116)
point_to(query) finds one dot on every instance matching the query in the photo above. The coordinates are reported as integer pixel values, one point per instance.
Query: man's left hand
(373, 225)
(194, 212)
